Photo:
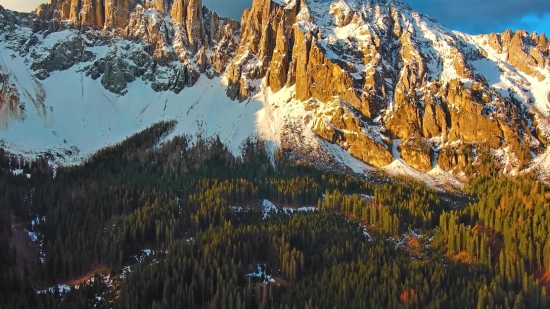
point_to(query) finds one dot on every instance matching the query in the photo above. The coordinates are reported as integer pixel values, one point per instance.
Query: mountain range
(370, 85)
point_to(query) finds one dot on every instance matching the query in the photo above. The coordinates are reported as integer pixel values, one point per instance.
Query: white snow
(88, 117)
(143, 255)
(367, 198)
(238, 209)
(443, 178)
(62, 288)
(299, 209)
(32, 236)
(17, 172)
(436, 178)
(36, 221)
(344, 157)
(365, 232)
(267, 208)
(36, 238)
(261, 274)
(541, 164)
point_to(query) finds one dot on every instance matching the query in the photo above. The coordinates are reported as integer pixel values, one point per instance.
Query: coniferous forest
(182, 224)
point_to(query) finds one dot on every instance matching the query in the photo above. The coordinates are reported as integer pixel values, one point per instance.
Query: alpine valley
(317, 154)
(364, 84)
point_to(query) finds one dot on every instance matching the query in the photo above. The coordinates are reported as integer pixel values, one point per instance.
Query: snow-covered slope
(71, 115)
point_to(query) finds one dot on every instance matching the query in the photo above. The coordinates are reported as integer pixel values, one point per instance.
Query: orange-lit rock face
(377, 71)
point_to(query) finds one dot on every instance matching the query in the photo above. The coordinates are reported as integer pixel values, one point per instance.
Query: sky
(470, 16)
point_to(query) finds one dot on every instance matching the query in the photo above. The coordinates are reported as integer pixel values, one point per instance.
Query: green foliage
(176, 198)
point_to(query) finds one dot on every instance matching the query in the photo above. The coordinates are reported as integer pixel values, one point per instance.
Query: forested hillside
(145, 224)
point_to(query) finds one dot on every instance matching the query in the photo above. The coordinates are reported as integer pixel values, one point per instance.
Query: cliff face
(124, 15)
(179, 41)
(398, 71)
(377, 72)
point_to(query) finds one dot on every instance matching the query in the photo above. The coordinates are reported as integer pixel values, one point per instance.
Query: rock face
(340, 125)
(422, 84)
(127, 16)
(178, 41)
(14, 102)
(10, 105)
(62, 56)
(417, 153)
(373, 71)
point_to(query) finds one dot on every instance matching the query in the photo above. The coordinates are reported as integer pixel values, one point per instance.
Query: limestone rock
(390, 77)
(468, 122)
(62, 56)
(417, 153)
(405, 122)
(342, 127)
(11, 108)
(518, 57)
(280, 62)
(494, 41)
(434, 121)
(368, 150)
(543, 45)
(264, 27)
(223, 35)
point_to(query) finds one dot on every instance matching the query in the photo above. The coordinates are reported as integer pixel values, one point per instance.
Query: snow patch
(436, 178)
(261, 274)
(267, 208)
(300, 209)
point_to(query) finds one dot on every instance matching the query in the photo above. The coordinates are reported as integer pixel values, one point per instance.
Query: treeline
(176, 198)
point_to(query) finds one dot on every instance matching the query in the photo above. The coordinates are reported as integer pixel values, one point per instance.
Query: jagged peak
(389, 66)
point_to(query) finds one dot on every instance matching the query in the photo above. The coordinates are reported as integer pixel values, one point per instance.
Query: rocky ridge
(401, 76)
(369, 74)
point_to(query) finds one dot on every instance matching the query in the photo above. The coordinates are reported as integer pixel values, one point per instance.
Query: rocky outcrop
(61, 56)
(340, 125)
(417, 153)
(266, 36)
(519, 58)
(180, 40)
(380, 65)
(376, 70)
(456, 157)
(405, 121)
(467, 120)
(11, 107)
(223, 38)
(434, 121)
(524, 52)
(117, 14)
(275, 45)
(95, 13)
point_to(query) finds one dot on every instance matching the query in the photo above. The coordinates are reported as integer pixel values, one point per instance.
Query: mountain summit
(357, 82)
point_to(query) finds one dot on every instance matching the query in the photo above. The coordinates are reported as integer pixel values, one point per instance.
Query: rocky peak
(376, 76)
(542, 45)
(117, 13)
(384, 60)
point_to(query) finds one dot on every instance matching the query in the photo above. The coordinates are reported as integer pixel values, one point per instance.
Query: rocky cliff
(369, 74)
(399, 71)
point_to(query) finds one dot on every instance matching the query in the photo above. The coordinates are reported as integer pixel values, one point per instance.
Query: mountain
(361, 83)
